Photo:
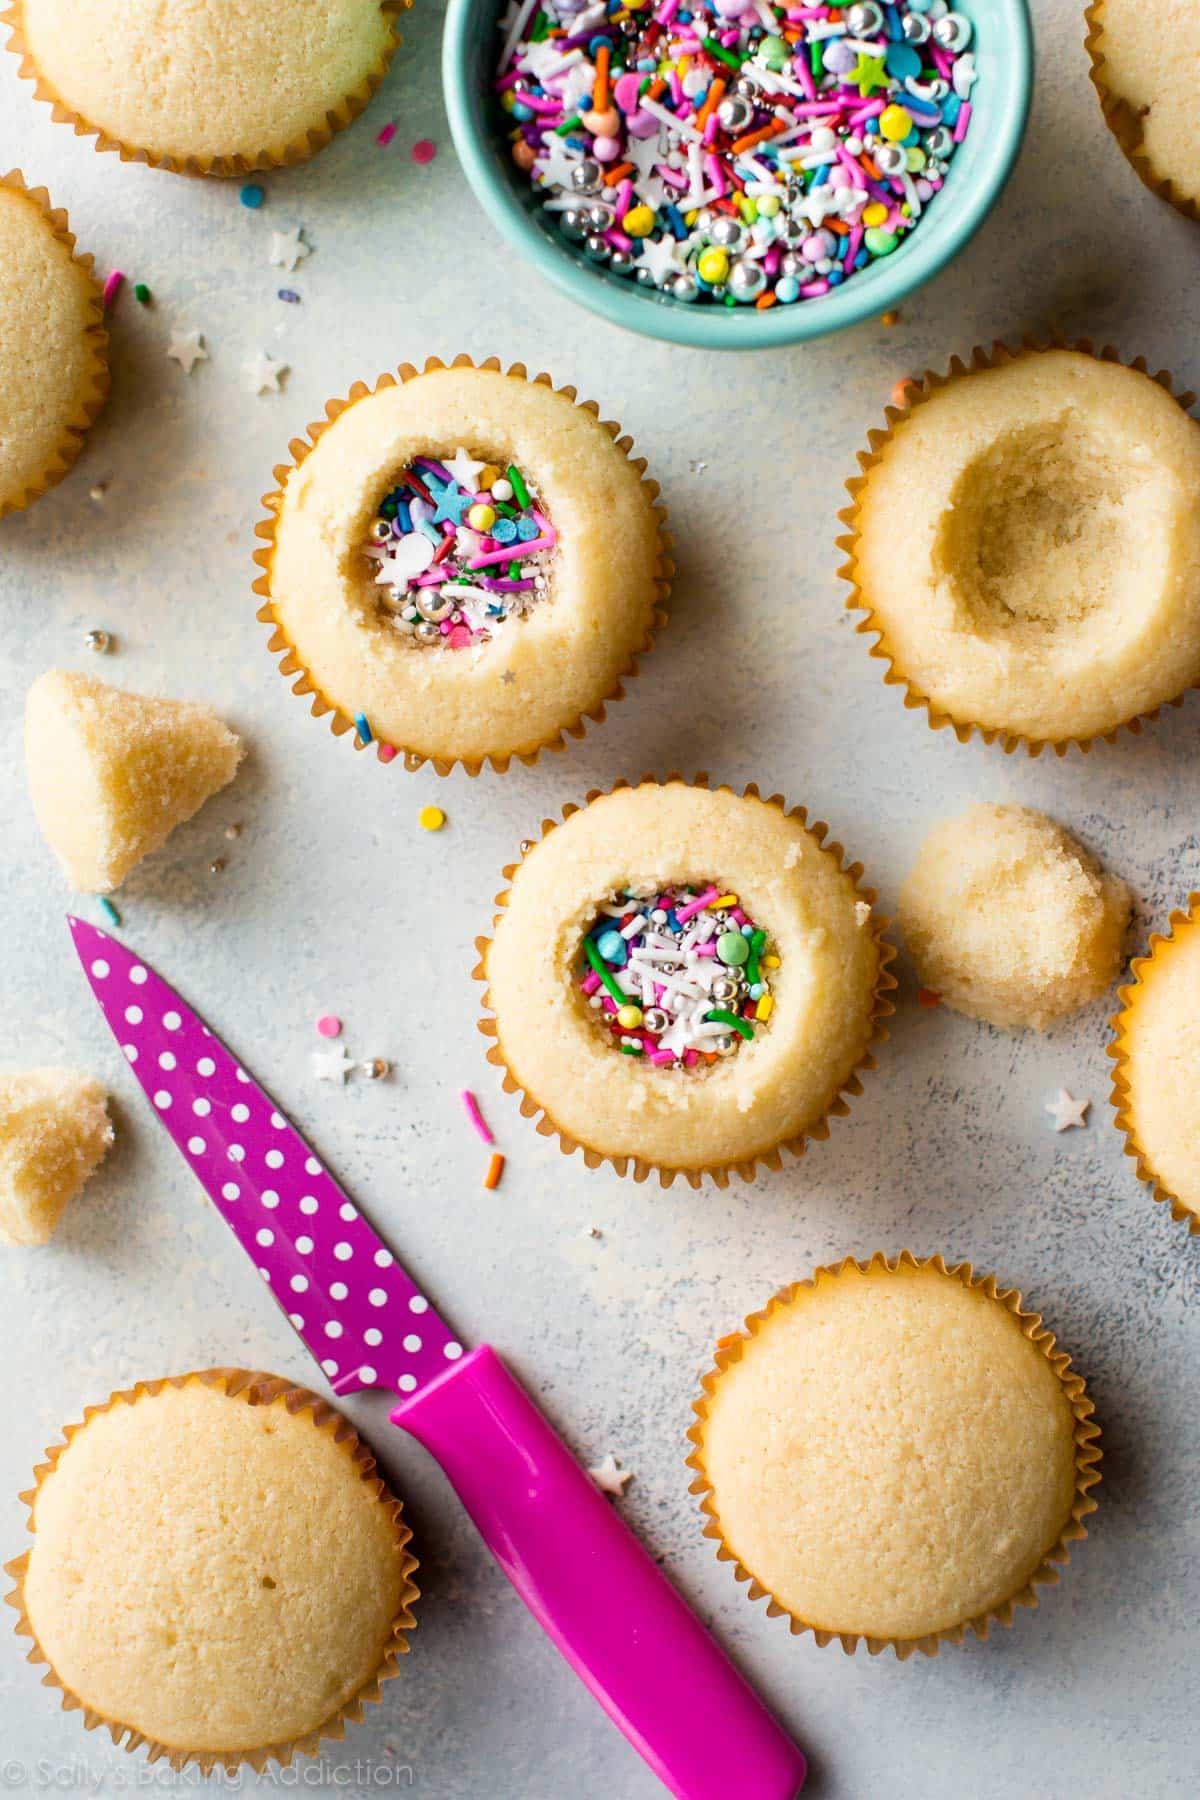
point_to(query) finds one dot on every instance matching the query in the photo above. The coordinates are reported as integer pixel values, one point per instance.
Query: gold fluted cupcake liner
(1087, 1457)
(918, 390)
(292, 665)
(95, 391)
(1123, 120)
(748, 1168)
(256, 1388)
(278, 156)
(1179, 923)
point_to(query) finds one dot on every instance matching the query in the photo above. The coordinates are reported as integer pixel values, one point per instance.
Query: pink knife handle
(604, 1601)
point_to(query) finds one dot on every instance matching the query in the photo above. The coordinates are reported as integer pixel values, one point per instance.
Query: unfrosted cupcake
(183, 1610)
(463, 565)
(1156, 1084)
(1025, 544)
(216, 88)
(1144, 55)
(685, 980)
(1009, 919)
(53, 346)
(894, 1451)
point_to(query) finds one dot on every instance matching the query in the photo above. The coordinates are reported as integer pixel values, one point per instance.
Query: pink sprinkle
(684, 913)
(853, 246)
(116, 278)
(424, 150)
(386, 135)
(329, 1025)
(387, 752)
(964, 119)
(804, 76)
(590, 983)
(476, 1117)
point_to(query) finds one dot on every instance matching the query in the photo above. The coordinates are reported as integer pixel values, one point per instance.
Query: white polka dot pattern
(302, 1233)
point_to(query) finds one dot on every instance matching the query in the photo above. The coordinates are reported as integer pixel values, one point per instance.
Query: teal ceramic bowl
(1000, 105)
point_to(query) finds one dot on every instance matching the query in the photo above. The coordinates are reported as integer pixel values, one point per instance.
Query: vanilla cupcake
(1025, 543)
(463, 564)
(894, 1451)
(1009, 919)
(685, 980)
(212, 89)
(1144, 55)
(1156, 1084)
(53, 349)
(178, 1610)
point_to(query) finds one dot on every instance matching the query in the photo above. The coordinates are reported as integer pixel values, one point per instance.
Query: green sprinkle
(631, 1049)
(514, 571)
(520, 491)
(141, 293)
(756, 946)
(816, 61)
(719, 1016)
(604, 972)
(108, 909)
(722, 54)
(574, 123)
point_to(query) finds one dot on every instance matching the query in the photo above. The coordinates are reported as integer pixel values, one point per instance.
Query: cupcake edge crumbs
(305, 682)
(1124, 123)
(1087, 1456)
(918, 390)
(1120, 1097)
(297, 150)
(94, 391)
(641, 1168)
(254, 1388)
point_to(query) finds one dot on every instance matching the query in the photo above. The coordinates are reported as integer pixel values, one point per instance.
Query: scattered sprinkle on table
(458, 548)
(678, 976)
(252, 196)
(365, 735)
(737, 151)
(1067, 1112)
(99, 642)
(332, 1065)
(108, 909)
(609, 1477)
(288, 248)
(187, 349)
(329, 1025)
(927, 997)
(266, 374)
(142, 294)
(476, 1117)
(387, 753)
(111, 288)
(494, 1171)
(891, 317)
(386, 135)
(290, 295)
(424, 150)
(431, 818)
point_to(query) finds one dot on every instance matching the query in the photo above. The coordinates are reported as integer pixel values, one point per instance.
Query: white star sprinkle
(661, 257)
(609, 1478)
(1066, 1111)
(289, 248)
(819, 204)
(265, 374)
(555, 163)
(187, 349)
(332, 1065)
(465, 470)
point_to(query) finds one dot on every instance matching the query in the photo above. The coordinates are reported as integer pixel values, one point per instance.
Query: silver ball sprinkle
(216, 865)
(725, 1045)
(622, 262)
(644, 277)
(892, 159)
(233, 831)
(734, 113)
(745, 86)
(573, 224)
(791, 263)
(375, 1068)
(746, 281)
(864, 19)
(595, 248)
(598, 217)
(427, 631)
(952, 32)
(684, 288)
(99, 641)
(390, 595)
(916, 28)
(586, 175)
(435, 604)
(726, 232)
(655, 1019)
(935, 170)
(381, 530)
(724, 989)
(939, 142)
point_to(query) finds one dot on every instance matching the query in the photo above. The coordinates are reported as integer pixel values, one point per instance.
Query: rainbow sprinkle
(736, 151)
(458, 548)
(677, 975)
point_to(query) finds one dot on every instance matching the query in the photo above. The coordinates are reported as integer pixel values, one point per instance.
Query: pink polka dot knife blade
(588, 1581)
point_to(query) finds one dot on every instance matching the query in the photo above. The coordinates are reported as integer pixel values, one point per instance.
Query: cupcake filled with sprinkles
(464, 566)
(736, 152)
(684, 980)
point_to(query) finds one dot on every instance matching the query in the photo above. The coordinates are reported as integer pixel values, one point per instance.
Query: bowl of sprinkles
(734, 174)
(678, 976)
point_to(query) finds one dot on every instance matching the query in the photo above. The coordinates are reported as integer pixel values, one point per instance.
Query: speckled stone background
(333, 899)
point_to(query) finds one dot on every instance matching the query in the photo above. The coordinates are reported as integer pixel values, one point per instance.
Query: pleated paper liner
(341, 723)
(1087, 1456)
(917, 392)
(95, 389)
(256, 1389)
(1180, 923)
(1124, 120)
(748, 1168)
(276, 156)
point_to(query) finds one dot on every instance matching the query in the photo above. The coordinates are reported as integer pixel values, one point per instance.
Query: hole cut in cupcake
(678, 976)
(460, 549)
(1046, 529)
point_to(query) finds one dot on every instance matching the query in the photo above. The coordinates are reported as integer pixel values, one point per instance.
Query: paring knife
(585, 1577)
